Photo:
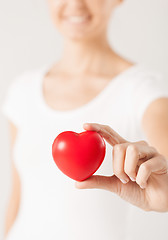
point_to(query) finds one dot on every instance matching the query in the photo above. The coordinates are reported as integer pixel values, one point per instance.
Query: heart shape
(78, 155)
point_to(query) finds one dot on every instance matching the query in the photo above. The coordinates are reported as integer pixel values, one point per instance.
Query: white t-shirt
(51, 207)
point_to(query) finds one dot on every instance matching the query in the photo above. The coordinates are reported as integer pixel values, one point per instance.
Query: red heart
(78, 155)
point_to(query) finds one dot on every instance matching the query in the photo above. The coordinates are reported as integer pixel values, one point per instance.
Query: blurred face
(81, 19)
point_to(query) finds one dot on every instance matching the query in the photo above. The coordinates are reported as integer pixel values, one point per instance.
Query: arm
(155, 125)
(13, 204)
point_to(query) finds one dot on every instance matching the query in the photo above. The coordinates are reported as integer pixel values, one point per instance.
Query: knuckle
(118, 148)
(132, 149)
(144, 168)
(144, 142)
(107, 127)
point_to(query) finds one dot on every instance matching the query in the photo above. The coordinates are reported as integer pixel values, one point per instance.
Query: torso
(36, 138)
(63, 92)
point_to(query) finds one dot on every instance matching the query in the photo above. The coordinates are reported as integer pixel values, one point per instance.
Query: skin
(92, 62)
(15, 194)
(143, 168)
(86, 66)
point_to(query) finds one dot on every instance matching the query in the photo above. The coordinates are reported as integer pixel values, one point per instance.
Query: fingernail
(143, 186)
(133, 179)
(124, 181)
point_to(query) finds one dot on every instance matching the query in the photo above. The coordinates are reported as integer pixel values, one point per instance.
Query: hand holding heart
(140, 172)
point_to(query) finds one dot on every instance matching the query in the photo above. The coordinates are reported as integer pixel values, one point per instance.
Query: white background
(138, 31)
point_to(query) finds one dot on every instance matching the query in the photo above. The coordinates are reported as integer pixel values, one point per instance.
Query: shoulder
(156, 112)
(144, 74)
(147, 83)
(148, 88)
(25, 83)
(21, 95)
(27, 77)
(154, 123)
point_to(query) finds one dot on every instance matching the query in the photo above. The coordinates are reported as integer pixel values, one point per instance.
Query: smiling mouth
(77, 19)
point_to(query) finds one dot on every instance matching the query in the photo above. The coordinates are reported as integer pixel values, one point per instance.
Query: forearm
(13, 203)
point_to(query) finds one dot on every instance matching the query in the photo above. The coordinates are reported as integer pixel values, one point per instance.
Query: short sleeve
(14, 102)
(148, 87)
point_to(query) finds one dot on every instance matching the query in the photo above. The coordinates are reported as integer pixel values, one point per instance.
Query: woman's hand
(140, 172)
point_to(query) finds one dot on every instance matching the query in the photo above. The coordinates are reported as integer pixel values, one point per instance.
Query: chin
(76, 36)
(82, 31)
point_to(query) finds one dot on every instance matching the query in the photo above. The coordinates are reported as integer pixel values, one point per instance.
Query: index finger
(105, 131)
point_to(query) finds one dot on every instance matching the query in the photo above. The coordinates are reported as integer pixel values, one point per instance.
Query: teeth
(77, 19)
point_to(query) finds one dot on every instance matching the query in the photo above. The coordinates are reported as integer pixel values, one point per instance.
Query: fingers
(109, 183)
(134, 153)
(135, 161)
(105, 131)
(126, 158)
(131, 160)
(157, 164)
(119, 152)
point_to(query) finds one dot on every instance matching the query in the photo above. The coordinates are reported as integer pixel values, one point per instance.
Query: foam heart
(78, 155)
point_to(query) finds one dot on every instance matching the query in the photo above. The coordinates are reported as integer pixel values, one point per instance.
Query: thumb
(110, 183)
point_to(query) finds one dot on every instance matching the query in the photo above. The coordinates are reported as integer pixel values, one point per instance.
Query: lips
(77, 19)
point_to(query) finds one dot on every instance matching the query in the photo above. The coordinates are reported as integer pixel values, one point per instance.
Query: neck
(84, 57)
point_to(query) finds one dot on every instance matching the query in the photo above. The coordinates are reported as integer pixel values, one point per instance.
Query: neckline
(85, 106)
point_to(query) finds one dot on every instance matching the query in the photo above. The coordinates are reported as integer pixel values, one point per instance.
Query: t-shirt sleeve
(149, 87)
(14, 102)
